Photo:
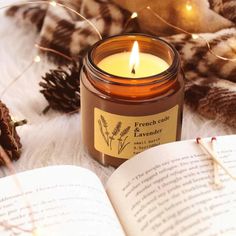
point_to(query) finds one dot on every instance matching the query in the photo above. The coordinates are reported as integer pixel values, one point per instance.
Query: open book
(166, 190)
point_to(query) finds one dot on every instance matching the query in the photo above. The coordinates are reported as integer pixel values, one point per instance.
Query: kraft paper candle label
(125, 136)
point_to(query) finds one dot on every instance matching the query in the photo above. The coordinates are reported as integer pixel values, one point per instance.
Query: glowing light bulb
(195, 36)
(134, 15)
(39, 232)
(188, 6)
(37, 59)
(53, 3)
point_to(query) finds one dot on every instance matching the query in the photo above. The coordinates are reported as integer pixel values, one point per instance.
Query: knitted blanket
(210, 81)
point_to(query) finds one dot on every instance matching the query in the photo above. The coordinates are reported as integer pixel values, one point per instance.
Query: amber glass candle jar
(122, 116)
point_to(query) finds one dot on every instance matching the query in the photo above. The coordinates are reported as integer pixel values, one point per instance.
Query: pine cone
(9, 139)
(61, 88)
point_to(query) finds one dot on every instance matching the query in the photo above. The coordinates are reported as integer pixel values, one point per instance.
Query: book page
(59, 200)
(168, 190)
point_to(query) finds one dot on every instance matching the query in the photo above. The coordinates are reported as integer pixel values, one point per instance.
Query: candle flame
(134, 57)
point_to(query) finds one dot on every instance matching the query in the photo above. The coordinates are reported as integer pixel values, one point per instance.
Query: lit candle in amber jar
(130, 100)
(133, 64)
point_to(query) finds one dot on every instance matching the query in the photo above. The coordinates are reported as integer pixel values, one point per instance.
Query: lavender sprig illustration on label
(109, 137)
(103, 125)
(122, 141)
(115, 132)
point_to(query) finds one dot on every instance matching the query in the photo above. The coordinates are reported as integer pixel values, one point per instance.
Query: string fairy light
(56, 4)
(194, 36)
(189, 6)
(131, 18)
(134, 15)
(37, 58)
(53, 3)
(46, 49)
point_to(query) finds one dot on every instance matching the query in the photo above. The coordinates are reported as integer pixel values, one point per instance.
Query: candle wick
(133, 70)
